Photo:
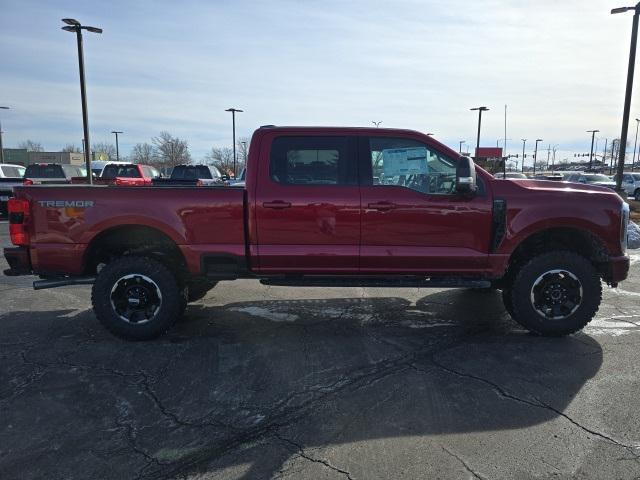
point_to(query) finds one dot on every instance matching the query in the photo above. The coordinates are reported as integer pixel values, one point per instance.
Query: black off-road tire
(507, 300)
(170, 301)
(199, 289)
(526, 314)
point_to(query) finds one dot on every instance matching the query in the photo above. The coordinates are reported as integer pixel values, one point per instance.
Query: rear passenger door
(308, 204)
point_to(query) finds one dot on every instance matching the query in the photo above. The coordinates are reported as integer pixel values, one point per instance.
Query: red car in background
(127, 175)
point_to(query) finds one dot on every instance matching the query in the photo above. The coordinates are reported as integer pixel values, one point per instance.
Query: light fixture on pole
(1, 147)
(117, 148)
(627, 97)
(480, 110)
(460, 148)
(75, 26)
(233, 115)
(377, 124)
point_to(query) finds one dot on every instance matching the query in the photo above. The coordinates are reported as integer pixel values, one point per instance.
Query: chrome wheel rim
(556, 294)
(136, 299)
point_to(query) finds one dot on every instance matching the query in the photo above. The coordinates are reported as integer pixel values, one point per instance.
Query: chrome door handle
(382, 206)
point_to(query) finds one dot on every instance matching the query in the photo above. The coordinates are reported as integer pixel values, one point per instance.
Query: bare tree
(31, 146)
(222, 158)
(144, 153)
(171, 151)
(69, 147)
(107, 148)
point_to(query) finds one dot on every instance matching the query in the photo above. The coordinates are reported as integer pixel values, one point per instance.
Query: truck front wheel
(555, 294)
(137, 298)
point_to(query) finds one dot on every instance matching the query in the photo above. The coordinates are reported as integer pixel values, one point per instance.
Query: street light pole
(635, 144)
(627, 97)
(524, 141)
(377, 124)
(233, 115)
(460, 147)
(593, 136)
(75, 26)
(535, 155)
(480, 110)
(117, 148)
(1, 147)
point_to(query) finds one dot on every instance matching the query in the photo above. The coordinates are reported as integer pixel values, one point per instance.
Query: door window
(312, 161)
(411, 164)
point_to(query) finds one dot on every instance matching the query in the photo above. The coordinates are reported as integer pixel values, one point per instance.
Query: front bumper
(18, 260)
(618, 269)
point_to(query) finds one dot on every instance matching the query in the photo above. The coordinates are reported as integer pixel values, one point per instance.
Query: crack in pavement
(303, 454)
(537, 404)
(463, 463)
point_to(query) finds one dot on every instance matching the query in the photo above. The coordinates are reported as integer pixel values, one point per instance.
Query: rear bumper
(618, 269)
(18, 260)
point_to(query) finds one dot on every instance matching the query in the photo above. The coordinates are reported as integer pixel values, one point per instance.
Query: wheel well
(572, 239)
(133, 240)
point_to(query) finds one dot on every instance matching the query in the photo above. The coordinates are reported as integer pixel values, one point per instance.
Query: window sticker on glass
(405, 161)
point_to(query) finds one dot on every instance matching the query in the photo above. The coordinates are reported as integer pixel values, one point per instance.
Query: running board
(62, 282)
(373, 281)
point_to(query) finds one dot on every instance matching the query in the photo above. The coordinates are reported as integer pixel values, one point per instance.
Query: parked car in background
(240, 181)
(631, 184)
(192, 175)
(97, 166)
(127, 174)
(10, 176)
(510, 175)
(597, 179)
(51, 173)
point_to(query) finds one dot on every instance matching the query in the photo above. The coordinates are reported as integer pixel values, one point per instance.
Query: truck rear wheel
(137, 298)
(555, 294)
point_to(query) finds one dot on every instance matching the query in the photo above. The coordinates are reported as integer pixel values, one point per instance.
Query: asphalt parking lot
(260, 382)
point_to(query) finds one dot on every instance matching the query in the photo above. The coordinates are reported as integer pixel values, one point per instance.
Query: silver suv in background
(631, 184)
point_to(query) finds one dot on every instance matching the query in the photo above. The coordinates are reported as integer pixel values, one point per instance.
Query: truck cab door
(413, 221)
(307, 204)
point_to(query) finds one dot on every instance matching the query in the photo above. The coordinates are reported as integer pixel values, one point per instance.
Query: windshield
(597, 178)
(44, 171)
(126, 171)
(189, 172)
(11, 171)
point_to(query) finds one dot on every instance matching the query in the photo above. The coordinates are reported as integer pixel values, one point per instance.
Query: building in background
(16, 156)
(65, 158)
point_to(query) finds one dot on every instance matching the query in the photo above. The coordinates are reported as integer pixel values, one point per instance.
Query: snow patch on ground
(268, 314)
(633, 235)
(614, 325)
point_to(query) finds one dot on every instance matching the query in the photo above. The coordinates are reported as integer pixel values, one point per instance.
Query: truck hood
(552, 186)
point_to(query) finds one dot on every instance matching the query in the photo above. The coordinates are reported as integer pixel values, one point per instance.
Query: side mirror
(466, 176)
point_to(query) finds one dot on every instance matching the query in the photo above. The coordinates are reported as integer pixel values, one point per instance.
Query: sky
(560, 66)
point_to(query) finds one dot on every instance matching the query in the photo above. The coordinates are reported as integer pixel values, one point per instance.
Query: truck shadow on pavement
(249, 389)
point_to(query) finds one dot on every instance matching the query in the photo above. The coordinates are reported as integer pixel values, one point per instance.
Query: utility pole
(635, 144)
(548, 155)
(460, 148)
(524, 141)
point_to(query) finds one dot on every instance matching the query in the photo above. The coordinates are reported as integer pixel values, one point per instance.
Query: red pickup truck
(328, 206)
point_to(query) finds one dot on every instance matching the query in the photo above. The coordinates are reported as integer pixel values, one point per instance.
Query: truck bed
(66, 218)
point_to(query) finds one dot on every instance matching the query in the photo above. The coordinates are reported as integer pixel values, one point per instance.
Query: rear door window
(313, 161)
(44, 171)
(124, 171)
